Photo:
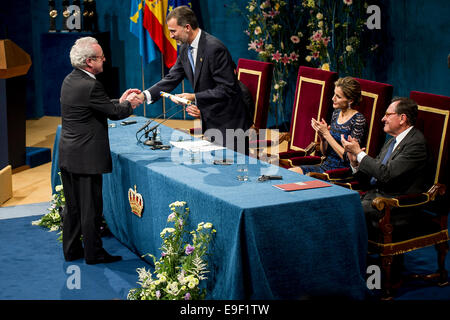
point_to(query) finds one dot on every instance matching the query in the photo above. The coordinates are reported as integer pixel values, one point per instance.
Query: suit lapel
(402, 144)
(200, 57)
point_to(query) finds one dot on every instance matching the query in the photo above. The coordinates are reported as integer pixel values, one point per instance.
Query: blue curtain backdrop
(414, 44)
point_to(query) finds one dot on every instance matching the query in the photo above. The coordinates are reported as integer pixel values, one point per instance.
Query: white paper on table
(197, 145)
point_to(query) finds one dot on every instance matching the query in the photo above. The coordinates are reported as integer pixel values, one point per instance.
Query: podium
(14, 65)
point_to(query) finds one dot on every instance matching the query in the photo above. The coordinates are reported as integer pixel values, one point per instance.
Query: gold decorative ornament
(136, 201)
(66, 13)
(53, 13)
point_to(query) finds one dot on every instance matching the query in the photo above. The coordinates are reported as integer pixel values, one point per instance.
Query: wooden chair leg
(386, 264)
(442, 249)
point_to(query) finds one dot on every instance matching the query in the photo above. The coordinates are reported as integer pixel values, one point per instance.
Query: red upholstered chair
(257, 77)
(389, 240)
(376, 98)
(313, 95)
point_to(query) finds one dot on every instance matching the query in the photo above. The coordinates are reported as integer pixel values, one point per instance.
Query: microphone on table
(144, 126)
(150, 121)
(152, 141)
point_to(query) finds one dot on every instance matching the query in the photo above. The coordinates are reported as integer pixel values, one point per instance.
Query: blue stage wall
(415, 42)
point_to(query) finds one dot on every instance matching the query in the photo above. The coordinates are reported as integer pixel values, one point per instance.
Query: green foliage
(182, 266)
(328, 34)
(52, 220)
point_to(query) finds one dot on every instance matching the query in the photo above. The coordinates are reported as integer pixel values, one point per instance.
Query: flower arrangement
(52, 220)
(337, 30)
(274, 34)
(329, 34)
(182, 266)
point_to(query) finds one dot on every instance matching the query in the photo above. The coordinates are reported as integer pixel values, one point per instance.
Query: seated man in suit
(404, 165)
(207, 64)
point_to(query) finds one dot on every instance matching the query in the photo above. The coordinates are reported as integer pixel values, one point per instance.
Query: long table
(270, 244)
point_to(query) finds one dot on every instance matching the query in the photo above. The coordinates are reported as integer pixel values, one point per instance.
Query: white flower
(178, 204)
(172, 288)
(58, 188)
(275, 97)
(208, 225)
(349, 48)
(167, 230)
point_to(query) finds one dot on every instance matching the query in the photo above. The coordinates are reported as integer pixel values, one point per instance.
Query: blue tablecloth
(270, 244)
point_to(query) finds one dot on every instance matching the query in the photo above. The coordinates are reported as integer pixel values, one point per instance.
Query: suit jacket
(217, 91)
(85, 108)
(409, 169)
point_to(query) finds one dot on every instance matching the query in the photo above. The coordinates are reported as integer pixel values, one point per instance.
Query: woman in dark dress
(345, 120)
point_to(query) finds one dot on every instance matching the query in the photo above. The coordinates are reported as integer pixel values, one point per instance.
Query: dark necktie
(191, 59)
(373, 180)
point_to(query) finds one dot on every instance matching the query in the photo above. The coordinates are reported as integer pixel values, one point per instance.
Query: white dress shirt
(89, 74)
(194, 50)
(398, 139)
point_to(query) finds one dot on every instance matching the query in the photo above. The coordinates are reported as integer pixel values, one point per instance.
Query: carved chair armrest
(285, 136)
(318, 175)
(404, 201)
(306, 160)
(291, 154)
(409, 200)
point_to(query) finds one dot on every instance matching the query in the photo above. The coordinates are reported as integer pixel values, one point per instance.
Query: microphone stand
(152, 141)
(148, 123)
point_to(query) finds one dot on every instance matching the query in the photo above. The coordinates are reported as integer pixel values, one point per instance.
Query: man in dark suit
(404, 165)
(84, 153)
(207, 64)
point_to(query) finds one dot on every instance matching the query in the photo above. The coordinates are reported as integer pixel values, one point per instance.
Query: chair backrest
(257, 77)
(376, 97)
(433, 121)
(313, 94)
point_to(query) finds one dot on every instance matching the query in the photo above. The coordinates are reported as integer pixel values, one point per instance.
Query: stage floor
(33, 185)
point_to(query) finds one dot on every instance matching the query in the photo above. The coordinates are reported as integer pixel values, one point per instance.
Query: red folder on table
(302, 185)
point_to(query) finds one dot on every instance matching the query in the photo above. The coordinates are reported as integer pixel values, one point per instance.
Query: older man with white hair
(84, 153)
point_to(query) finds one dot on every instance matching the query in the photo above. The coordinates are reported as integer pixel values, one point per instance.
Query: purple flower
(189, 249)
(187, 296)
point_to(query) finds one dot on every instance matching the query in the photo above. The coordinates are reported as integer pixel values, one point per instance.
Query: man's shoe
(75, 256)
(106, 258)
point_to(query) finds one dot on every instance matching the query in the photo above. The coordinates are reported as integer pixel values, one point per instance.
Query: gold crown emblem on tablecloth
(136, 201)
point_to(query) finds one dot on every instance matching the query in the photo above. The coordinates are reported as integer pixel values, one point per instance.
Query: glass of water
(242, 172)
(195, 155)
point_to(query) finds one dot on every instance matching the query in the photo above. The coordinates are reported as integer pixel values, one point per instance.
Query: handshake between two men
(136, 97)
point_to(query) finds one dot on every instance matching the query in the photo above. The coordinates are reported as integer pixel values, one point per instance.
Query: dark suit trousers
(83, 215)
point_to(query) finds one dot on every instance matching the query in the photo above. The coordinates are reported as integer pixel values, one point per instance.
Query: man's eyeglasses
(98, 57)
(387, 114)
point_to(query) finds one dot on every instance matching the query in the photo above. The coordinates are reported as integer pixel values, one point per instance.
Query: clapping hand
(321, 127)
(351, 146)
